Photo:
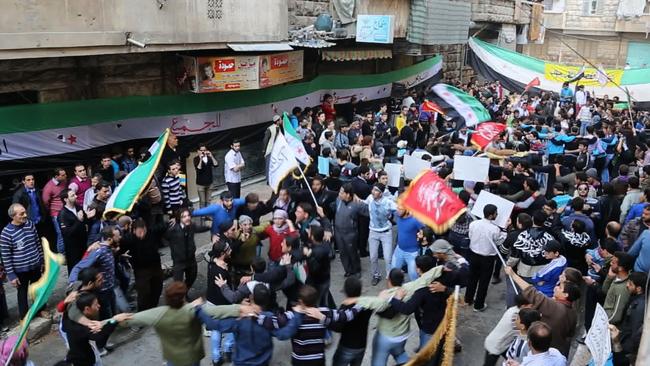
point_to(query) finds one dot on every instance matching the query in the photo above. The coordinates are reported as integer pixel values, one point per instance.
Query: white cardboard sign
(394, 174)
(471, 168)
(414, 166)
(504, 207)
(597, 339)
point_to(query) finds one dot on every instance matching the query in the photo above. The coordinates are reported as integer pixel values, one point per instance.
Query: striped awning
(356, 55)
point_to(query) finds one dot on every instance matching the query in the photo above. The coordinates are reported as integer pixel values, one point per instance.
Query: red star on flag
(72, 139)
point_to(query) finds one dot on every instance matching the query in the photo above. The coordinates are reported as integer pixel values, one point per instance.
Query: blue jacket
(635, 211)
(546, 278)
(253, 343)
(641, 250)
(294, 121)
(219, 213)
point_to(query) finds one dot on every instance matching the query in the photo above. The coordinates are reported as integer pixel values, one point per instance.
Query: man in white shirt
(541, 353)
(484, 237)
(234, 164)
(581, 97)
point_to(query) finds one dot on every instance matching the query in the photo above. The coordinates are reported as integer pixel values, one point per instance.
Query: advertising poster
(216, 74)
(280, 68)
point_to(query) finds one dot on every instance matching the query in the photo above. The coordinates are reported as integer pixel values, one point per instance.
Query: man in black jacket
(317, 254)
(71, 220)
(354, 334)
(142, 245)
(79, 336)
(182, 247)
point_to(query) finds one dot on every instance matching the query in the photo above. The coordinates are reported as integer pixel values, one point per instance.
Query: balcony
(81, 27)
(554, 20)
(636, 25)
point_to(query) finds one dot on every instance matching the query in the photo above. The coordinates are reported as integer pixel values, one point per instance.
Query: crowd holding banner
(460, 183)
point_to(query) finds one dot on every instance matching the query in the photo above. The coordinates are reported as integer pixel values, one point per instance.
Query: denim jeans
(215, 342)
(382, 347)
(386, 240)
(583, 127)
(424, 338)
(60, 246)
(348, 356)
(401, 257)
(604, 176)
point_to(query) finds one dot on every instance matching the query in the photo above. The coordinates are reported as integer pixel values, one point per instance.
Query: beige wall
(37, 28)
(500, 11)
(610, 51)
(605, 20)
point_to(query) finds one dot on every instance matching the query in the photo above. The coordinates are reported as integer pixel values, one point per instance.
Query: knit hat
(441, 246)
(276, 118)
(592, 173)
(380, 187)
(553, 246)
(280, 214)
(244, 219)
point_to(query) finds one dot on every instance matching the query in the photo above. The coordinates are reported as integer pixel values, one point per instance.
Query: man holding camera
(204, 162)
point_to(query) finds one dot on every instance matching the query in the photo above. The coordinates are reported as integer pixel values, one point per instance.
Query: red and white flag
(533, 83)
(485, 133)
(431, 201)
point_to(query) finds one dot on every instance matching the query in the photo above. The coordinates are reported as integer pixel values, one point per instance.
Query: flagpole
(514, 286)
(308, 186)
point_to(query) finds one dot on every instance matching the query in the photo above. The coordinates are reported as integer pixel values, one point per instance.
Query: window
(20, 97)
(590, 7)
(554, 6)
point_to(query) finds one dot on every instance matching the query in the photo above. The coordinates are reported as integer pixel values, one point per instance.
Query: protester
(204, 163)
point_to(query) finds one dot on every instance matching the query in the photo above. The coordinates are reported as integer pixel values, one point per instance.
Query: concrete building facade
(593, 28)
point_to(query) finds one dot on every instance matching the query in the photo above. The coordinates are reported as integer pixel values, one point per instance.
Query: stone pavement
(143, 348)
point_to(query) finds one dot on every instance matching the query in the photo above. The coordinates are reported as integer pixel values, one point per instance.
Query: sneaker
(109, 346)
(217, 363)
(481, 309)
(375, 281)
(496, 280)
(227, 357)
(102, 352)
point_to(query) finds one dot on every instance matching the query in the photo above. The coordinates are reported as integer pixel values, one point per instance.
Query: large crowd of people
(576, 168)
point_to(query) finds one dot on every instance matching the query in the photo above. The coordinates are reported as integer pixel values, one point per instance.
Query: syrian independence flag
(40, 291)
(485, 133)
(135, 183)
(432, 202)
(466, 109)
(578, 76)
(533, 84)
(294, 140)
(282, 162)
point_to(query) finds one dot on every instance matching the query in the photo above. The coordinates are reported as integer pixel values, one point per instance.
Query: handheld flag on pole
(533, 83)
(578, 76)
(282, 162)
(129, 190)
(466, 109)
(485, 133)
(294, 140)
(40, 292)
(432, 202)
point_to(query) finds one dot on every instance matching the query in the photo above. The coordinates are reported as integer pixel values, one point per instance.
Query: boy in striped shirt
(308, 344)
(172, 190)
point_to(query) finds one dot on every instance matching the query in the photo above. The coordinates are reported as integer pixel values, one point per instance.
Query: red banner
(486, 132)
(432, 202)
